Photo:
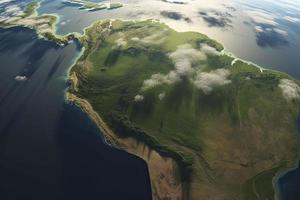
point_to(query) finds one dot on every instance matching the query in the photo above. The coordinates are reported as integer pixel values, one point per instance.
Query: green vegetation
(30, 9)
(224, 124)
(92, 6)
(115, 5)
(260, 187)
(43, 24)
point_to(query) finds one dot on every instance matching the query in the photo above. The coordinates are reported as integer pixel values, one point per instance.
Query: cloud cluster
(206, 81)
(290, 90)
(184, 59)
(10, 11)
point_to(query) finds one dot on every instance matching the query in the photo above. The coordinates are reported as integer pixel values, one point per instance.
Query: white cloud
(183, 58)
(207, 81)
(12, 9)
(280, 31)
(121, 42)
(161, 96)
(159, 79)
(290, 90)
(21, 78)
(136, 39)
(262, 17)
(292, 19)
(138, 98)
(10, 13)
(5, 1)
(209, 50)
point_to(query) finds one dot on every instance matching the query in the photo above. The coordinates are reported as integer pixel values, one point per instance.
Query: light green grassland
(196, 129)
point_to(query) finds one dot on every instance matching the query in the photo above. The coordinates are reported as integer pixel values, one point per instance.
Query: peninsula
(210, 126)
(227, 127)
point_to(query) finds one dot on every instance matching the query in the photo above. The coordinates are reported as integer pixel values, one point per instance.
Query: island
(209, 125)
(92, 6)
(44, 25)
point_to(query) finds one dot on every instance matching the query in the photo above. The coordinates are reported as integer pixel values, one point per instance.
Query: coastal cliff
(210, 126)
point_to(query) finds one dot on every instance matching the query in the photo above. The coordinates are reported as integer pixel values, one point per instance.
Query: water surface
(49, 149)
(262, 31)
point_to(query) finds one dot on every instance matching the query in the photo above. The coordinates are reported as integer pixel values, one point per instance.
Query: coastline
(130, 144)
(162, 187)
(282, 173)
(124, 144)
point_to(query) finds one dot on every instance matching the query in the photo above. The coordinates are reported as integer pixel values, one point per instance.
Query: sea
(50, 149)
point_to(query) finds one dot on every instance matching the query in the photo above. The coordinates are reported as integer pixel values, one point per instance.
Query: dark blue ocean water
(50, 150)
(289, 184)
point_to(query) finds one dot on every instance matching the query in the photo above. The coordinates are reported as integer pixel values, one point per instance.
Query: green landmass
(229, 125)
(92, 6)
(43, 24)
(30, 9)
(229, 137)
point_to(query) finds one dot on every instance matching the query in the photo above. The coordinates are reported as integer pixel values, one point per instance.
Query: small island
(91, 6)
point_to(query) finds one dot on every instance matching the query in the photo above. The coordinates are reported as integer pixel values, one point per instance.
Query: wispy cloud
(259, 16)
(10, 10)
(292, 19)
(185, 60)
(155, 38)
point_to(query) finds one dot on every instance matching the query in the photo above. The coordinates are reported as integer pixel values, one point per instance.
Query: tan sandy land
(162, 170)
